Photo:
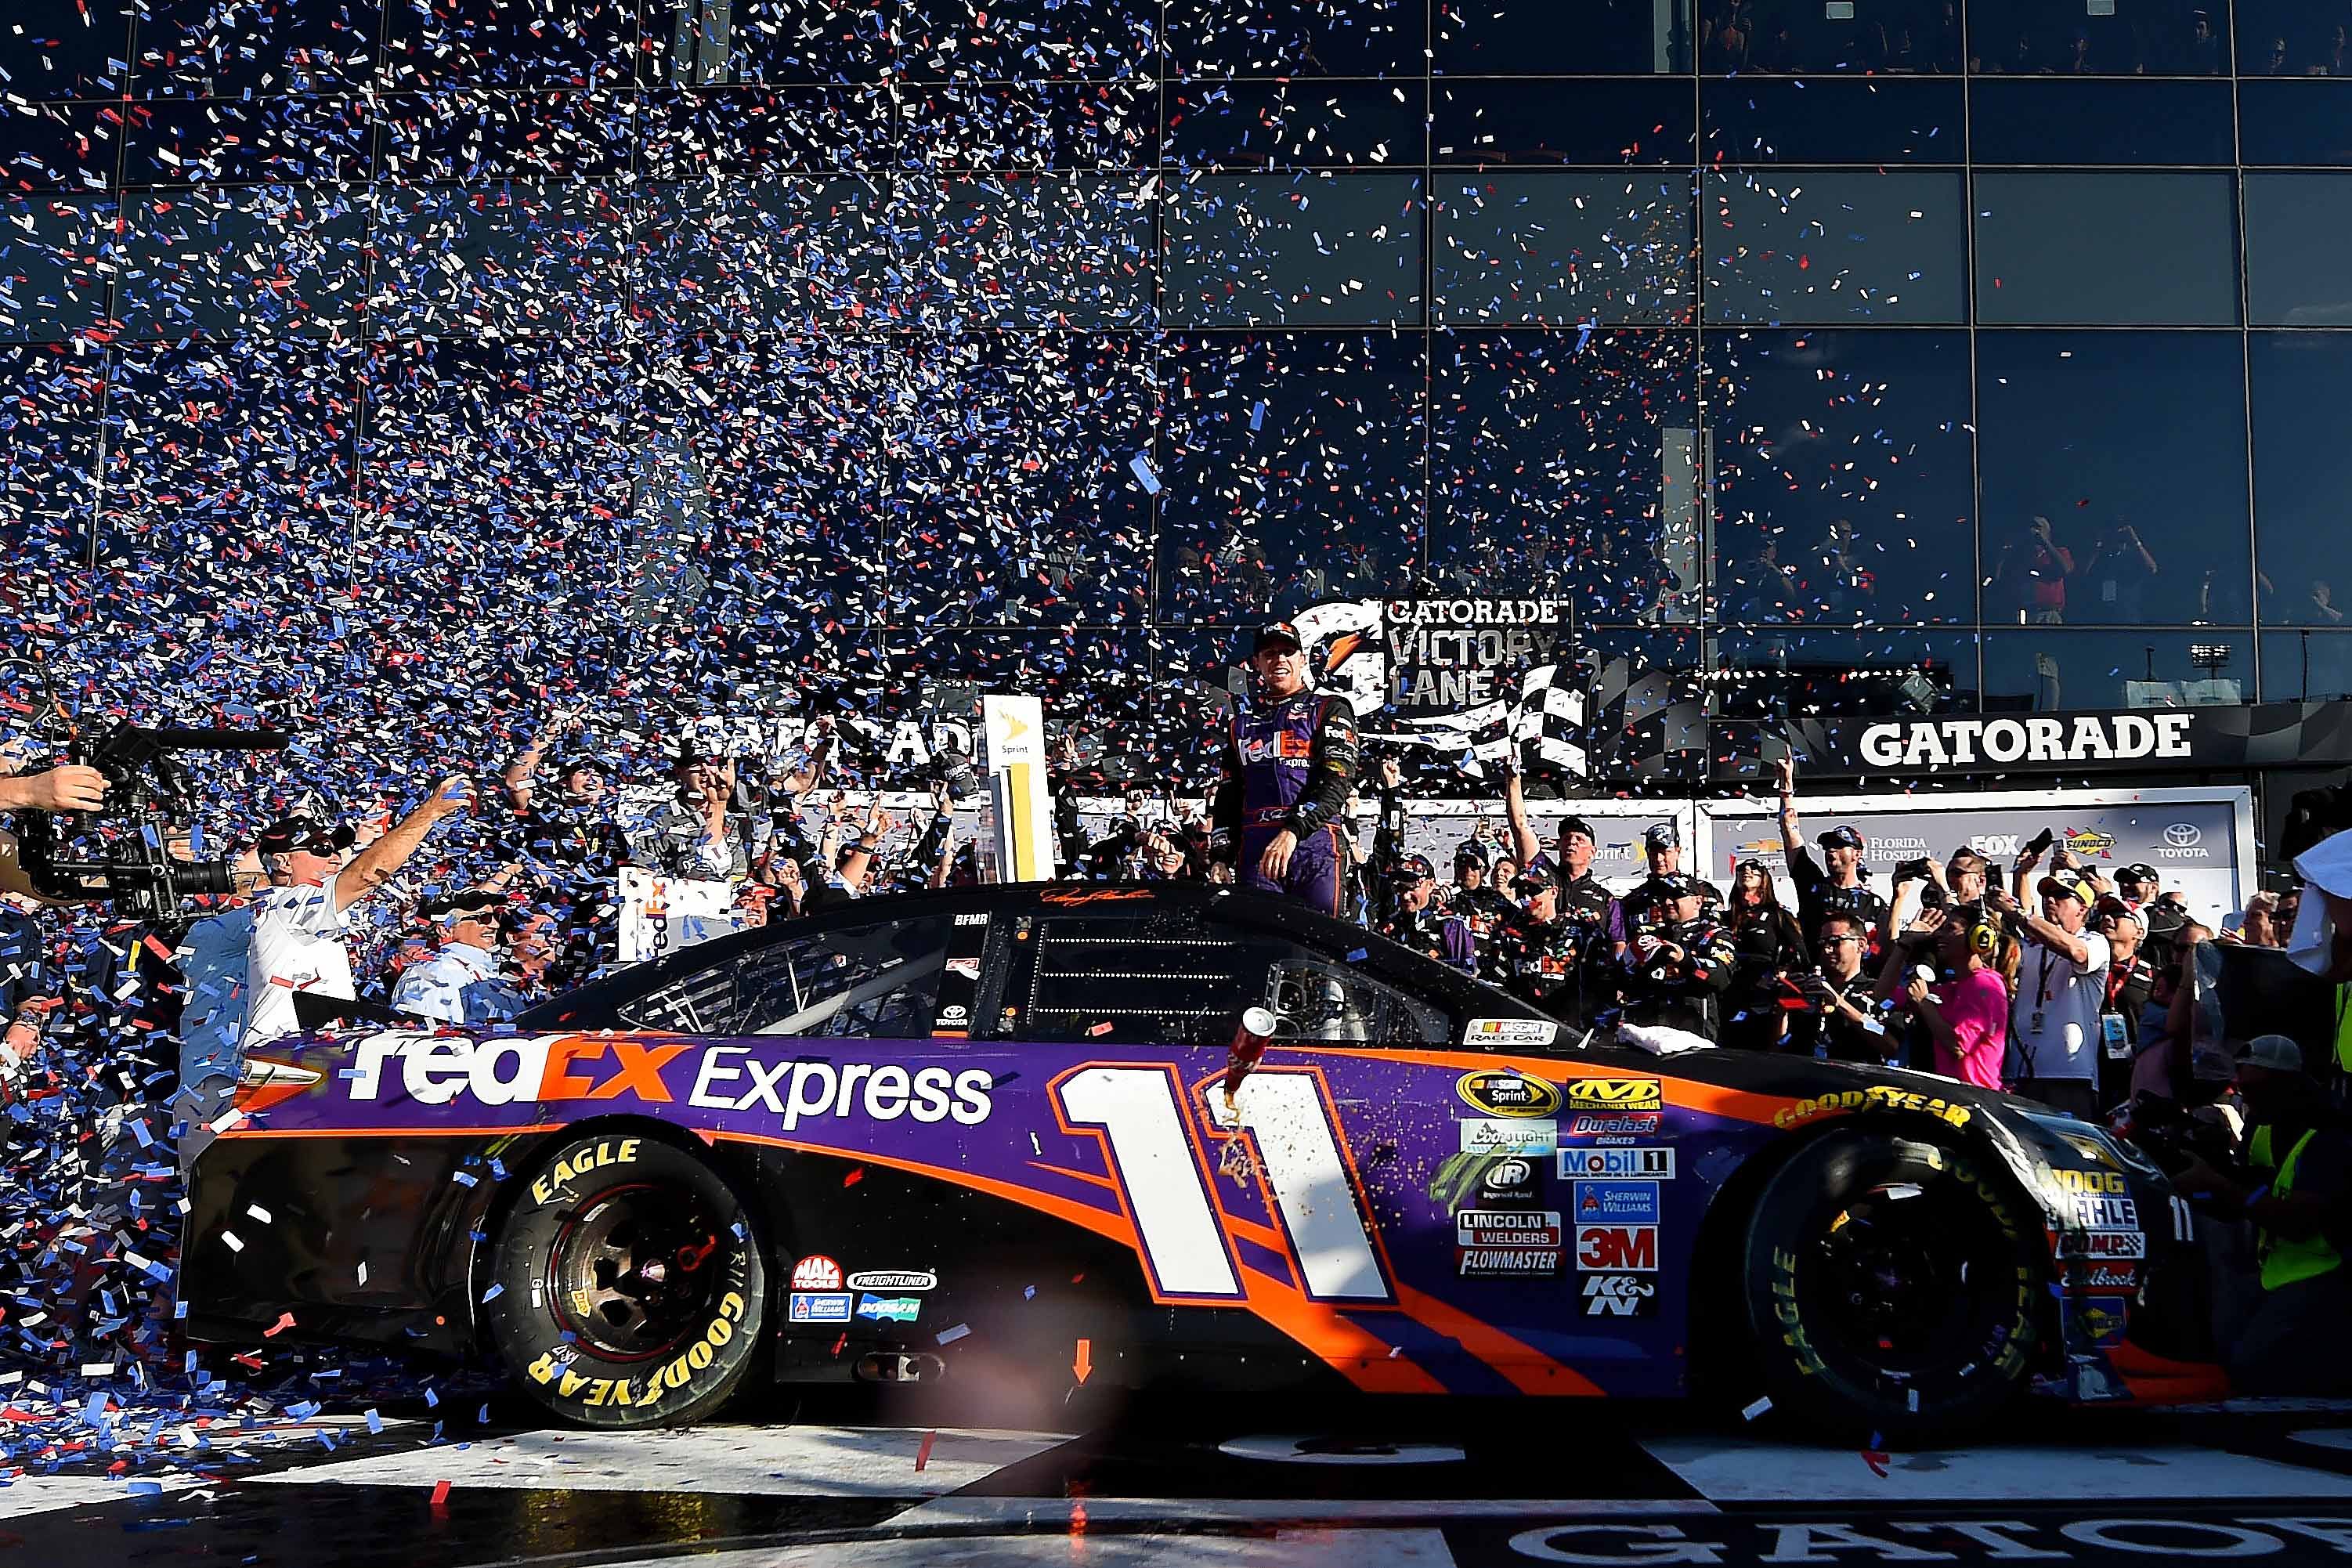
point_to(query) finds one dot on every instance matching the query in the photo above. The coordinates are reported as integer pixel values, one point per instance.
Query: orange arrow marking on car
(1085, 1365)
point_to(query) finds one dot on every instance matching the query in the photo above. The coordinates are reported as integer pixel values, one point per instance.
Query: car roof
(1255, 911)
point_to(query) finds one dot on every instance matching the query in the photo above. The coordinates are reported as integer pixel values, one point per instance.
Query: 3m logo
(1626, 1247)
(1616, 1094)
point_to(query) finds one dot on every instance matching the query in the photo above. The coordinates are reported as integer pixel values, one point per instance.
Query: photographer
(1928, 883)
(1843, 1023)
(1841, 848)
(69, 786)
(2296, 1188)
(2053, 1024)
(298, 921)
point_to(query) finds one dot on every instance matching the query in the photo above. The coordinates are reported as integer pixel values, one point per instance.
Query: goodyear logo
(1616, 1094)
(1501, 1092)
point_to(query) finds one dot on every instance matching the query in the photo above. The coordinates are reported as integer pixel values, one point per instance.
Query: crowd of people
(2056, 979)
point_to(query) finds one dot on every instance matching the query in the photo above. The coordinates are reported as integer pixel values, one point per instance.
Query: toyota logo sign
(2183, 834)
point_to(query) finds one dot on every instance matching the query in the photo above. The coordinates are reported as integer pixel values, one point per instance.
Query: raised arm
(1514, 812)
(374, 866)
(1784, 775)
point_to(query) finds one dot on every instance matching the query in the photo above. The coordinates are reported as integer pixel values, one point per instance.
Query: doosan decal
(2088, 737)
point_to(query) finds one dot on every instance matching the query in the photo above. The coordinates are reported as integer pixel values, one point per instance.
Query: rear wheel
(630, 1290)
(1891, 1287)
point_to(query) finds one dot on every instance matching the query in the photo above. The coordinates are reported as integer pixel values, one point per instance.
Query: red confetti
(854, 1177)
(923, 1454)
(285, 1321)
(440, 1493)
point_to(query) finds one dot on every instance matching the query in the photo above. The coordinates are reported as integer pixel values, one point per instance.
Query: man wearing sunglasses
(298, 921)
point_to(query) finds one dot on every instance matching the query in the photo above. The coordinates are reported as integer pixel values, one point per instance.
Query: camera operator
(69, 786)
(1287, 769)
(449, 986)
(1420, 925)
(2296, 1188)
(2053, 1023)
(1581, 892)
(1843, 1023)
(1678, 962)
(1841, 847)
(299, 920)
(1928, 883)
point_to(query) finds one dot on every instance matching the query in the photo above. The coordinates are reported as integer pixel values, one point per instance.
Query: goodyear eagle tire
(1893, 1288)
(631, 1291)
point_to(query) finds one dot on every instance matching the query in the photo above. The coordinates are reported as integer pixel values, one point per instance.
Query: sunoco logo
(1503, 1093)
(1616, 1094)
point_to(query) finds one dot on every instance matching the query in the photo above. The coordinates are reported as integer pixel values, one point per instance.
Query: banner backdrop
(2201, 841)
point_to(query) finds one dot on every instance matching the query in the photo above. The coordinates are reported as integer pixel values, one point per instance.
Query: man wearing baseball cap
(2061, 989)
(2141, 886)
(298, 921)
(1662, 846)
(1420, 925)
(2296, 1188)
(1540, 955)
(1582, 896)
(1287, 768)
(448, 988)
(1840, 885)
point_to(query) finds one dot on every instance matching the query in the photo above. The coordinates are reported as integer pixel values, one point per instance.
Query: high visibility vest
(2286, 1262)
(2344, 1028)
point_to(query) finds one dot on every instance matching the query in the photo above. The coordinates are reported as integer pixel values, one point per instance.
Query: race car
(1169, 1134)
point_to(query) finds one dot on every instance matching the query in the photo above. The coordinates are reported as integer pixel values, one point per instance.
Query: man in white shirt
(436, 989)
(298, 921)
(2062, 986)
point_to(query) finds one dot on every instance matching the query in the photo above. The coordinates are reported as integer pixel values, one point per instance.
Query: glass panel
(2306, 666)
(498, 43)
(1024, 38)
(2302, 471)
(1294, 471)
(1567, 465)
(201, 48)
(1307, 249)
(60, 146)
(2075, 119)
(783, 255)
(1025, 251)
(1833, 120)
(868, 982)
(268, 259)
(50, 401)
(1842, 474)
(1018, 495)
(761, 130)
(1297, 37)
(2131, 37)
(2298, 234)
(2292, 37)
(1313, 999)
(2294, 123)
(1562, 247)
(1087, 987)
(2047, 672)
(517, 258)
(778, 41)
(1799, 247)
(2121, 442)
(281, 141)
(1597, 37)
(1307, 123)
(1533, 120)
(1030, 125)
(1900, 37)
(1765, 673)
(50, 52)
(55, 255)
(469, 135)
(2122, 248)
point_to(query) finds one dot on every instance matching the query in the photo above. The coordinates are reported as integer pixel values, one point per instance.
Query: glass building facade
(1055, 341)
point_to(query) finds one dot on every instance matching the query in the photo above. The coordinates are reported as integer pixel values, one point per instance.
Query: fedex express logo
(434, 1069)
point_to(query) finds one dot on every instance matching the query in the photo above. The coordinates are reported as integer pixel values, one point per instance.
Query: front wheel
(630, 1291)
(1891, 1287)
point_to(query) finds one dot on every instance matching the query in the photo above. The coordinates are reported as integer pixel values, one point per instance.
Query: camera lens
(204, 877)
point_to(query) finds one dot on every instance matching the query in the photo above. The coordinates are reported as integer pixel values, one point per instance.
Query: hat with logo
(1840, 837)
(583, 765)
(1661, 835)
(1470, 849)
(1674, 885)
(1535, 880)
(2067, 885)
(2273, 1052)
(301, 830)
(1568, 825)
(1412, 869)
(1276, 633)
(470, 905)
(2121, 909)
(2140, 871)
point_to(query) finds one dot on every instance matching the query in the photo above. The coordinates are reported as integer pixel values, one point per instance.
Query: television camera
(150, 803)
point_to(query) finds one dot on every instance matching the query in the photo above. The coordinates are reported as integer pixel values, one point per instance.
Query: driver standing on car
(1288, 767)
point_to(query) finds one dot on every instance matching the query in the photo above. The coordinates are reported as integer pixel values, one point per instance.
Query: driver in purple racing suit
(1288, 765)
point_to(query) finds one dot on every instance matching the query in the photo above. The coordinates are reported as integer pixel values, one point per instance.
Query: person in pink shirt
(1966, 1013)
